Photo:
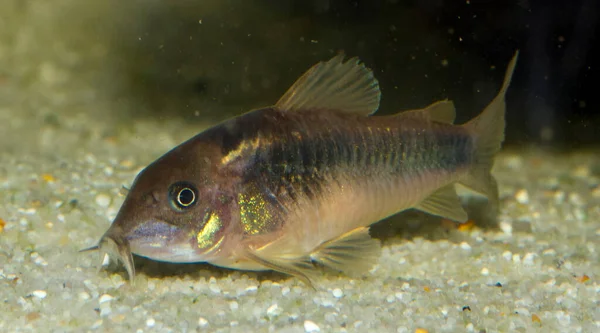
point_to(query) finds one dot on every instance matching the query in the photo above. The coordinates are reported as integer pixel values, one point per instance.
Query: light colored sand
(64, 156)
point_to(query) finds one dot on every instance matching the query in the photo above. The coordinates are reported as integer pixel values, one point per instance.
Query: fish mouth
(162, 241)
(116, 247)
(154, 239)
(144, 239)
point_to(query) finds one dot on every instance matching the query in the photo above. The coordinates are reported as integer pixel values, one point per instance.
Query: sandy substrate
(66, 150)
(535, 270)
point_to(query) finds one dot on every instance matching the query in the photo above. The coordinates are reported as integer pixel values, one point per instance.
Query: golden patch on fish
(296, 185)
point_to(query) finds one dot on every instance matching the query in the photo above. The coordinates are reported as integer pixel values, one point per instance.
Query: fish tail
(487, 130)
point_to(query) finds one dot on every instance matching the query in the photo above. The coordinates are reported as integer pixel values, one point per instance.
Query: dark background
(199, 60)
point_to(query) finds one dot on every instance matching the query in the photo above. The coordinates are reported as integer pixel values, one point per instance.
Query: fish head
(171, 213)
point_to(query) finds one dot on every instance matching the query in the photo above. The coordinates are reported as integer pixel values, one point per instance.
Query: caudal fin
(488, 133)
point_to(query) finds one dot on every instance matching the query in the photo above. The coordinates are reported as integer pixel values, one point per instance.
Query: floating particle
(310, 326)
(535, 318)
(41, 294)
(426, 289)
(582, 278)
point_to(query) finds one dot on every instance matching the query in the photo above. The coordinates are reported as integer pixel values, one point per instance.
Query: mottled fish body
(299, 183)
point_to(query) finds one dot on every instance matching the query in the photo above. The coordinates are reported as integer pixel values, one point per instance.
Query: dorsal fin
(334, 85)
(442, 111)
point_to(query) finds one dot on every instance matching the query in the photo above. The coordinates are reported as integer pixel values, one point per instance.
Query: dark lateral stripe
(297, 155)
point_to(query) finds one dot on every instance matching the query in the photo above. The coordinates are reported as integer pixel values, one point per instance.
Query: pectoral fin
(300, 267)
(445, 203)
(353, 252)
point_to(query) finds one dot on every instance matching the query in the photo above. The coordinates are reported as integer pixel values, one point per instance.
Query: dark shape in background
(212, 60)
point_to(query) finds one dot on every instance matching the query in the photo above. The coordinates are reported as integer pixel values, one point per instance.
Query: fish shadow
(198, 271)
(412, 224)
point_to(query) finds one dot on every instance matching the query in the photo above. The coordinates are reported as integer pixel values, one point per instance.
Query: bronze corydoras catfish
(296, 185)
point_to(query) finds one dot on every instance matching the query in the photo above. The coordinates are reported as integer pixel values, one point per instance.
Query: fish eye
(183, 195)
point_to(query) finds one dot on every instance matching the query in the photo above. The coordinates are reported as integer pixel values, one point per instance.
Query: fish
(294, 187)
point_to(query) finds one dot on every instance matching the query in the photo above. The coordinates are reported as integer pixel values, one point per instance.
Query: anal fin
(445, 203)
(353, 252)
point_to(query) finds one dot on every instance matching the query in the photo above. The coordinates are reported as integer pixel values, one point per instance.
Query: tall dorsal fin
(442, 111)
(334, 85)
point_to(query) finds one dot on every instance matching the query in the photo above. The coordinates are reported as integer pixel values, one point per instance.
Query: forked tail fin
(488, 133)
